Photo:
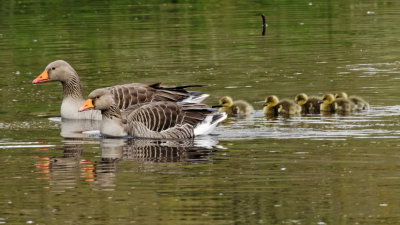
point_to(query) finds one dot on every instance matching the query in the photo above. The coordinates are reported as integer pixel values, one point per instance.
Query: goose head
(341, 95)
(301, 99)
(327, 99)
(100, 99)
(58, 70)
(271, 101)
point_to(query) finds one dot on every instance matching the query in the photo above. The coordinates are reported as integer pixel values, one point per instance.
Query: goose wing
(136, 93)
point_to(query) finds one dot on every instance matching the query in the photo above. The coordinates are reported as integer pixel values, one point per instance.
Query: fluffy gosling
(309, 105)
(331, 105)
(274, 107)
(232, 108)
(359, 103)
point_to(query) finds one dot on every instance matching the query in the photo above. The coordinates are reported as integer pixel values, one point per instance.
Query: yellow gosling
(274, 107)
(232, 108)
(359, 103)
(270, 108)
(331, 105)
(309, 105)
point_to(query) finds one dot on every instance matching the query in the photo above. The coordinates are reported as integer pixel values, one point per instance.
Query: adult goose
(124, 95)
(157, 120)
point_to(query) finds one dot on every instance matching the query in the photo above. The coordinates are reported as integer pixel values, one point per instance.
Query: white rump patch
(206, 127)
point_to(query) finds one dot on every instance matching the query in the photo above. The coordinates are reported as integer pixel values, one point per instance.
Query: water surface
(312, 169)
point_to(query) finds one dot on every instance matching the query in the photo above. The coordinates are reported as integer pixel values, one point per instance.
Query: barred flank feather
(159, 116)
(139, 130)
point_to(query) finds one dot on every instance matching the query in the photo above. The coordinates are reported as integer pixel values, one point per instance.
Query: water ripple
(375, 123)
(8, 145)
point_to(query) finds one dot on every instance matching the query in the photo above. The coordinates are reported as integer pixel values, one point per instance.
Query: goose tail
(195, 98)
(209, 124)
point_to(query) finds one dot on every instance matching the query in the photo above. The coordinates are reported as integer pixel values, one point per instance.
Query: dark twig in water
(264, 25)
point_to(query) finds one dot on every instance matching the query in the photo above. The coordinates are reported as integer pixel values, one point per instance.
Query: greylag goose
(231, 107)
(273, 107)
(331, 105)
(360, 104)
(309, 105)
(158, 120)
(124, 95)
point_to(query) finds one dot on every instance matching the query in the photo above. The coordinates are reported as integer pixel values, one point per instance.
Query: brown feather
(136, 93)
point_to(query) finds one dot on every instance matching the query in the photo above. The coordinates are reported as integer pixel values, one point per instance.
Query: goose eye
(53, 68)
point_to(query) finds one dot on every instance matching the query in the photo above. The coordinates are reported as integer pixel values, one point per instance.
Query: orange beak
(44, 77)
(88, 105)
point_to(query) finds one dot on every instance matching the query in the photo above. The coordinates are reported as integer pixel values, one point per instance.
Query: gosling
(309, 105)
(331, 105)
(232, 108)
(273, 107)
(359, 103)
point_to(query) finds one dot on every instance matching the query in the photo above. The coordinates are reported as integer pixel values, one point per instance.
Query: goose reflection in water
(66, 171)
(62, 172)
(147, 150)
(79, 128)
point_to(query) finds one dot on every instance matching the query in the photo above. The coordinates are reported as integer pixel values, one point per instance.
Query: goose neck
(73, 88)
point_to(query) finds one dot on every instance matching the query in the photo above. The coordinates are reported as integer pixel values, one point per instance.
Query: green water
(252, 170)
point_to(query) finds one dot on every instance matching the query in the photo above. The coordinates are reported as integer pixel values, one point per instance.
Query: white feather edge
(206, 127)
(196, 99)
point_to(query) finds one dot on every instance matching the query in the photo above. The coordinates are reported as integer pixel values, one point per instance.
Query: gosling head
(58, 70)
(271, 101)
(301, 99)
(341, 95)
(226, 101)
(100, 99)
(327, 99)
